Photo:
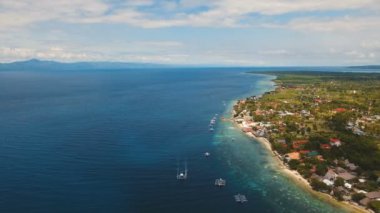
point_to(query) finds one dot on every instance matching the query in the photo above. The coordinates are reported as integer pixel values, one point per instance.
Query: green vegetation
(319, 122)
(339, 181)
(375, 206)
(319, 185)
(357, 197)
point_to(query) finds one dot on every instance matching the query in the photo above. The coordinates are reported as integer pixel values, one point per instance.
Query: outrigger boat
(182, 175)
(239, 198)
(220, 182)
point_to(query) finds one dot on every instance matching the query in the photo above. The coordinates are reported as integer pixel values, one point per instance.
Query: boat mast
(186, 169)
(177, 168)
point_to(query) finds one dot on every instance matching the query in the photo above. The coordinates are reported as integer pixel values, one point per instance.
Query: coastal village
(324, 126)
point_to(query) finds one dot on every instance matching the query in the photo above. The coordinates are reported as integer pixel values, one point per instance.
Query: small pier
(220, 182)
(239, 198)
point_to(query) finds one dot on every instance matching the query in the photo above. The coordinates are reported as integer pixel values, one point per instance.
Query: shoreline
(295, 177)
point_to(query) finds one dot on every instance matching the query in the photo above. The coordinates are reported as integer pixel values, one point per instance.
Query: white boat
(240, 198)
(220, 182)
(182, 175)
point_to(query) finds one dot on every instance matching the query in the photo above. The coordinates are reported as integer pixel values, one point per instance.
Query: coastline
(295, 177)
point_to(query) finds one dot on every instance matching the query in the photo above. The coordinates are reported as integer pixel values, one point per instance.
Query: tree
(304, 171)
(357, 197)
(321, 169)
(339, 181)
(375, 205)
(319, 185)
(291, 126)
(293, 164)
(339, 121)
(315, 127)
(338, 195)
(280, 148)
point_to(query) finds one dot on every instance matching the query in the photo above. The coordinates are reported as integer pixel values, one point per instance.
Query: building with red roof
(325, 146)
(304, 152)
(335, 142)
(337, 110)
(297, 144)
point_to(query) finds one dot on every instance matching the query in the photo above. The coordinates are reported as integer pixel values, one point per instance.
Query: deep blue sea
(111, 140)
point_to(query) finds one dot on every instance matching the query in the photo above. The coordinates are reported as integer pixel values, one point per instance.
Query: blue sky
(214, 32)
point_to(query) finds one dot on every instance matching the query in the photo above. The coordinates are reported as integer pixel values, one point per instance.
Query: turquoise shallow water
(110, 140)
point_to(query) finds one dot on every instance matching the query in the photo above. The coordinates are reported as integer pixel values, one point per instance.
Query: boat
(182, 175)
(207, 154)
(239, 198)
(220, 182)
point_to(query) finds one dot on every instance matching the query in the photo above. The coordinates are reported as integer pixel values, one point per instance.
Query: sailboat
(182, 174)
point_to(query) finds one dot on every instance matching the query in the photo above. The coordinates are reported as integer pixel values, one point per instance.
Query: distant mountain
(366, 67)
(35, 64)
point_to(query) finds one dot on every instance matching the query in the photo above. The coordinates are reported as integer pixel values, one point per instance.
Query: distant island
(35, 64)
(366, 67)
(325, 128)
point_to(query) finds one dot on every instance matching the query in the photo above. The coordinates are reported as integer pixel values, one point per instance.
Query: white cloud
(374, 44)
(351, 32)
(158, 44)
(361, 55)
(335, 24)
(275, 52)
(22, 13)
(53, 53)
(227, 13)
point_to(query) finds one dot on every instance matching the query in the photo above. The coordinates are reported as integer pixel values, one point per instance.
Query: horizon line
(184, 65)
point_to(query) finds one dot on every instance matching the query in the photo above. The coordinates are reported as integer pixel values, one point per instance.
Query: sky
(193, 32)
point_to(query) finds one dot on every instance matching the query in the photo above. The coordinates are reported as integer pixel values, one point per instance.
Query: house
(335, 142)
(326, 146)
(328, 182)
(293, 156)
(260, 133)
(373, 195)
(297, 144)
(347, 185)
(282, 141)
(330, 175)
(247, 129)
(318, 100)
(350, 125)
(317, 177)
(339, 110)
(346, 176)
(305, 113)
(357, 131)
(340, 170)
(304, 152)
(342, 190)
(350, 166)
(320, 158)
(312, 154)
(313, 169)
(361, 191)
(364, 201)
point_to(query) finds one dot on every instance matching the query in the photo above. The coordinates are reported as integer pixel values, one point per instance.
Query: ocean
(112, 140)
